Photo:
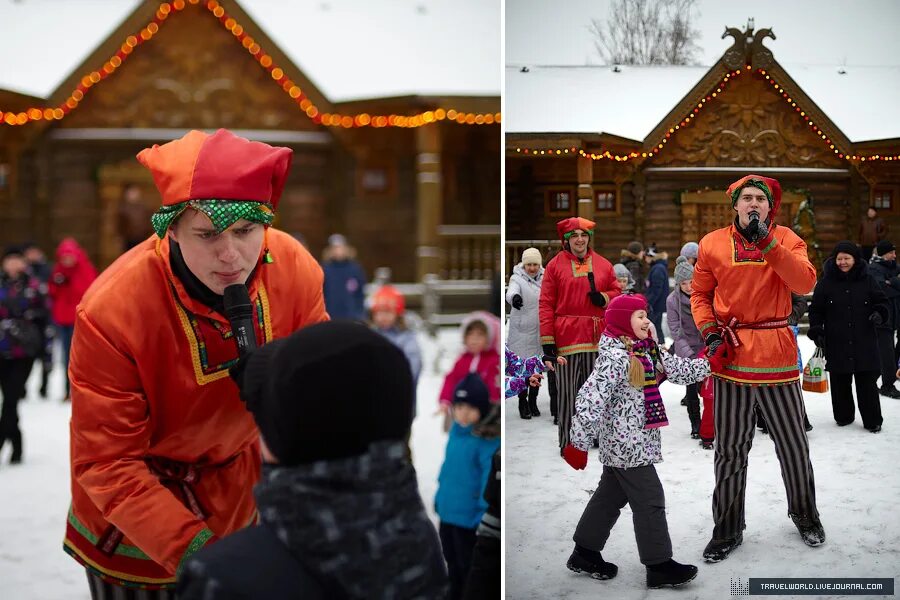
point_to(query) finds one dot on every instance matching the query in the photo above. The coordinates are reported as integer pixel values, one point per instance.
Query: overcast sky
(349, 48)
(814, 32)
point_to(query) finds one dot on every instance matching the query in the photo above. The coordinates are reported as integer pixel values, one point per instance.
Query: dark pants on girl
(13, 375)
(457, 544)
(784, 412)
(866, 396)
(640, 488)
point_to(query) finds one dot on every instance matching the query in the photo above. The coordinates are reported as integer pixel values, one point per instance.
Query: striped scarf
(642, 374)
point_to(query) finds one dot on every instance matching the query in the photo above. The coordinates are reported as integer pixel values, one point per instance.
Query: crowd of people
(37, 307)
(595, 334)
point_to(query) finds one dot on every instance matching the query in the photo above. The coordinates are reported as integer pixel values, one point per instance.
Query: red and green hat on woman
(222, 175)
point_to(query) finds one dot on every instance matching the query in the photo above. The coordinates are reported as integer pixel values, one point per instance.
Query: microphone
(239, 312)
(753, 226)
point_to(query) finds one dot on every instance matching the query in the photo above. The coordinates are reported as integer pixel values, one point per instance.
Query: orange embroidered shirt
(734, 279)
(149, 374)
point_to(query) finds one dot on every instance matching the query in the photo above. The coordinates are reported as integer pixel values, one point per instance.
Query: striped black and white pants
(102, 590)
(569, 379)
(782, 407)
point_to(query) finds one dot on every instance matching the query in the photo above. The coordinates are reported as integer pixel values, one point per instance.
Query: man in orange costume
(743, 280)
(164, 455)
(578, 284)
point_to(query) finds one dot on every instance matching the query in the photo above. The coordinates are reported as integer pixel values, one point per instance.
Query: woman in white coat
(523, 293)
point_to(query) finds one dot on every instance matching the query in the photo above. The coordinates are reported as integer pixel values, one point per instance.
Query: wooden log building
(420, 198)
(582, 141)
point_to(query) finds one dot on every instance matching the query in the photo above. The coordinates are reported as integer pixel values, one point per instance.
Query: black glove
(517, 302)
(875, 318)
(597, 299)
(713, 341)
(817, 336)
(549, 353)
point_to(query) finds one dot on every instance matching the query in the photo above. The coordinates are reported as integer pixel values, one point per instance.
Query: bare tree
(648, 32)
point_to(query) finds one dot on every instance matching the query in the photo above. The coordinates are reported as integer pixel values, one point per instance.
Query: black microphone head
(754, 216)
(237, 301)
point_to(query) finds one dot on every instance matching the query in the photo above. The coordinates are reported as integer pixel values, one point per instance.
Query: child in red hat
(621, 403)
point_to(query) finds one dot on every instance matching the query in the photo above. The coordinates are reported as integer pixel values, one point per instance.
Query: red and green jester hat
(574, 294)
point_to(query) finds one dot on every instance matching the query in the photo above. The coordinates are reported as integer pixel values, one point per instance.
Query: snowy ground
(34, 496)
(857, 488)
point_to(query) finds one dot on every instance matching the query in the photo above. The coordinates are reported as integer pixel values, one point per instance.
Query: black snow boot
(532, 404)
(706, 444)
(693, 409)
(890, 391)
(16, 439)
(718, 550)
(523, 408)
(592, 563)
(669, 574)
(806, 424)
(684, 401)
(810, 529)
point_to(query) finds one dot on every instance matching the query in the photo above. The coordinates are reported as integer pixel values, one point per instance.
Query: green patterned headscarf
(758, 184)
(222, 213)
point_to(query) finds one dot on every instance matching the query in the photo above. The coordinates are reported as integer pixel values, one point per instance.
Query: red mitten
(576, 458)
(719, 359)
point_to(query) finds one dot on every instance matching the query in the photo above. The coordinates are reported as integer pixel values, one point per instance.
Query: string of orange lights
(607, 155)
(265, 61)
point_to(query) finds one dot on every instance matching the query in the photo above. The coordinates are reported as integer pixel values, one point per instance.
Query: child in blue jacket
(459, 501)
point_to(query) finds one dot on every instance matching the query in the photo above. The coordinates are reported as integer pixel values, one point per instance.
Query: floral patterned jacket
(607, 403)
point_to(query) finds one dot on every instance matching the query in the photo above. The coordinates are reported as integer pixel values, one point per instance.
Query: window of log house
(883, 199)
(605, 201)
(559, 202)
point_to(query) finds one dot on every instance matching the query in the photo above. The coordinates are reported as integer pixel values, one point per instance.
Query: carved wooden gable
(193, 74)
(749, 124)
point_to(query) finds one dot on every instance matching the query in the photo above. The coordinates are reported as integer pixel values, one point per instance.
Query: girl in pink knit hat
(620, 403)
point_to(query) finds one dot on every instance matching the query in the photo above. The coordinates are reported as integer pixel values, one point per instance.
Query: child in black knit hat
(459, 501)
(339, 505)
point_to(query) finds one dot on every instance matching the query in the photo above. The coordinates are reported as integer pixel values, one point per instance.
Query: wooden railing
(469, 252)
(514, 249)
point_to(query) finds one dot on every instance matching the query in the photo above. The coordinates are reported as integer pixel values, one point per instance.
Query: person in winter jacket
(632, 258)
(340, 515)
(459, 500)
(524, 338)
(847, 305)
(23, 318)
(620, 401)
(163, 452)
(578, 284)
(481, 336)
(883, 267)
(623, 276)
(686, 338)
(872, 230)
(345, 280)
(40, 268)
(388, 309)
(741, 298)
(71, 277)
(657, 287)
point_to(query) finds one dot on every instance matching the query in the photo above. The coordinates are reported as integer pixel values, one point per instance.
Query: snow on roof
(864, 102)
(348, 48)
